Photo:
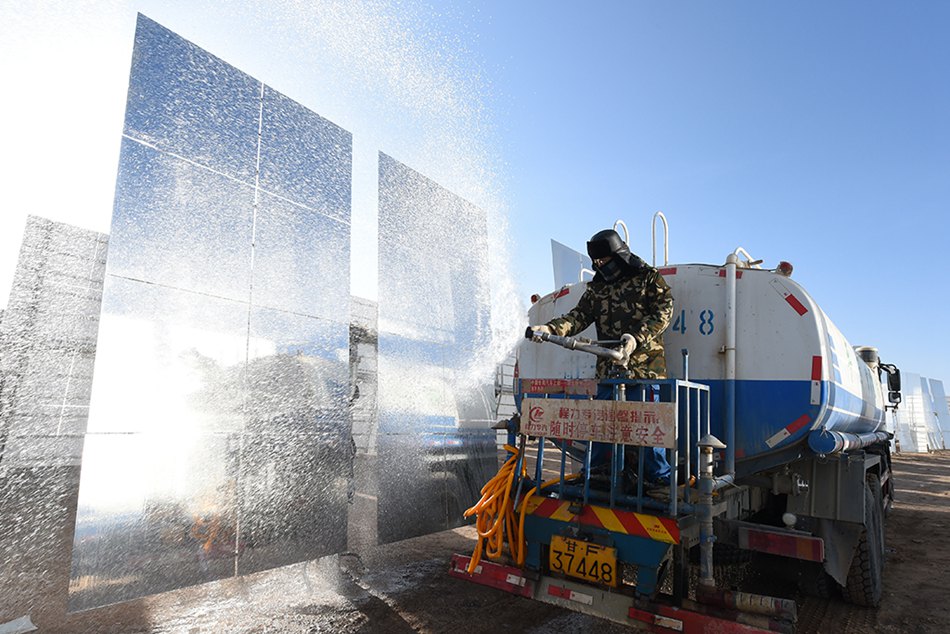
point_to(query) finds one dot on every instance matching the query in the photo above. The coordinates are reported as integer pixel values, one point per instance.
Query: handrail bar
(666, 238)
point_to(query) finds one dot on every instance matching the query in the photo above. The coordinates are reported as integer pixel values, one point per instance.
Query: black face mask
(611, 270)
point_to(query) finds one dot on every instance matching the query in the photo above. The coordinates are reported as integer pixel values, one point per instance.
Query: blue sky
(817, 133)
(811, 132)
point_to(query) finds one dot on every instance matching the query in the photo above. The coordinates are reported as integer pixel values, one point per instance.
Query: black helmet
(605, 243)
(608, 243)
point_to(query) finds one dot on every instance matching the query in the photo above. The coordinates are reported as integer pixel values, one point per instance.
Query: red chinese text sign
(646, 424)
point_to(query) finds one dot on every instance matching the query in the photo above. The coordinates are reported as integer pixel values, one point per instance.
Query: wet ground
(405, 587)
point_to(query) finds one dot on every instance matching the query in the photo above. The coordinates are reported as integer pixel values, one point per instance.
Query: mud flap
(841, 540)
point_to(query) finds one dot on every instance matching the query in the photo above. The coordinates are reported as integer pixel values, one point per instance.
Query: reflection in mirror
(161, 351)
(301, 260)
(290, 168)
(297, 453)
(156, 512)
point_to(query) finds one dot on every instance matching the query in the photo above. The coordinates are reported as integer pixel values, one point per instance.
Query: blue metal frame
(692, 422)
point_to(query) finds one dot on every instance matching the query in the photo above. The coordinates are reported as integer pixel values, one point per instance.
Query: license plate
(584, 560)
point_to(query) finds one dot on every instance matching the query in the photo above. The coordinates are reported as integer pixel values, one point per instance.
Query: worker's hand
(538, 330)
(627, 347)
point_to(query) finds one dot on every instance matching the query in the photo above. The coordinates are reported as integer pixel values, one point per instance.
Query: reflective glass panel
(220, 399)
(931, 416)
(434, 409)
(180, 225)
(941, 409)
(301, 157)
(186, 102)
(47, 345)
(301, 260)
(910, 419)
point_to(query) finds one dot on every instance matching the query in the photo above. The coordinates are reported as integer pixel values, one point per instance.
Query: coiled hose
(495, 514)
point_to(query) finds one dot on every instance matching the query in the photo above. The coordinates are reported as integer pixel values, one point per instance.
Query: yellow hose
(495, 514)
(519, 554)
(491, 511)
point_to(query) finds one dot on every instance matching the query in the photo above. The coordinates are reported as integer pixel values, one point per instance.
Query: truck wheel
(864, 578)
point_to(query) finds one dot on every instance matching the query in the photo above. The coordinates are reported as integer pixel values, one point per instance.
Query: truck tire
(864, 578)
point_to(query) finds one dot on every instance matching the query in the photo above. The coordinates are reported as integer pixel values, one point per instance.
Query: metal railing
(505, 389)
(691, 422)
(666, 238)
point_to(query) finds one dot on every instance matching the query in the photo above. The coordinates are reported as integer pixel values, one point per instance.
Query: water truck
(775, 426)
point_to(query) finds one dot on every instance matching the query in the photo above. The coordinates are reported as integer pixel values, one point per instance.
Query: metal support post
(706, 535)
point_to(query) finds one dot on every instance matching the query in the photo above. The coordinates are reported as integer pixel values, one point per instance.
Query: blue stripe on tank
(848, 412)
(765, 408)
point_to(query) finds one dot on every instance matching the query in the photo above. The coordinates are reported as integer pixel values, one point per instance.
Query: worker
(625, 296)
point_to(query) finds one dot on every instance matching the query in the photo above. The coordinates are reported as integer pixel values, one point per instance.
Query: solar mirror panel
(218, 439)
(47, 347)
(436, 447)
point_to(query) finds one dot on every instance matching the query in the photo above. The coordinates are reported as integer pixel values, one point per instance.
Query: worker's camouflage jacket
(640, 305)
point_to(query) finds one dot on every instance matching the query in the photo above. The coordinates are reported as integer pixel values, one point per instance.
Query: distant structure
(941, 411)
(946, 428)
(47, 348)
(922, 422)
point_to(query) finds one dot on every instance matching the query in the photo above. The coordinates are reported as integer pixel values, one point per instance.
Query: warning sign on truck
(641, 423)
